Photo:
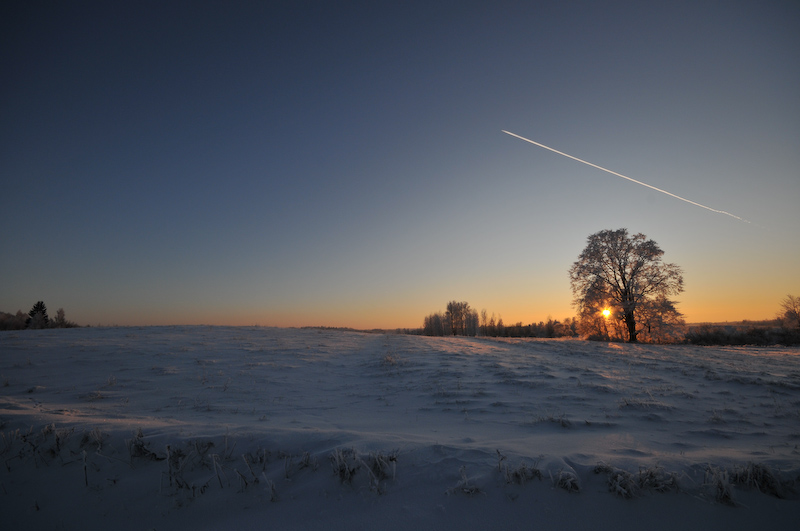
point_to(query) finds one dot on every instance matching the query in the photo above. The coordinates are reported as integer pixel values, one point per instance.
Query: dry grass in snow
(214, 427)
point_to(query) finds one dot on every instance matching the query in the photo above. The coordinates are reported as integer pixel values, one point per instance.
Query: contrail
(628, 178)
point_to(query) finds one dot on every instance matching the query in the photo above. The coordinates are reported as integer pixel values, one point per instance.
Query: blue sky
(304, 163)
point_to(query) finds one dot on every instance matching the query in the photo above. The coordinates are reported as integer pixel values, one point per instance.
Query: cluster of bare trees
(461, 320)
(491, 327)
(458, 320)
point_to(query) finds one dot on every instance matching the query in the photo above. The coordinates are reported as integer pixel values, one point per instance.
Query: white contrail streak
(628, 178)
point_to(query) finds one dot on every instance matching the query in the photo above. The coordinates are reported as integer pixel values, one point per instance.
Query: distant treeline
(762, 333)
(783, 330)
(461, 320)
(37, 318)
(552, 328)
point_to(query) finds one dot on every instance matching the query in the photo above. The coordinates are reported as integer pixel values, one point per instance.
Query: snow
(223, 427)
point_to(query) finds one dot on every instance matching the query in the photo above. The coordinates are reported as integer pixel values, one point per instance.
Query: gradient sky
(309, 163)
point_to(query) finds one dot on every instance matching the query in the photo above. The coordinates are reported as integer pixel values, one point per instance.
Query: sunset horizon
(336, 165)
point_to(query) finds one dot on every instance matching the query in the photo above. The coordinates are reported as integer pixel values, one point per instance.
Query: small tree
(491, 327)
(790, 312)
(625, 276)
(61, 319)
(37, 317)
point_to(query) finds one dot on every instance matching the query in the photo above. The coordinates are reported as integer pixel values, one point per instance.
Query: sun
(606, 313)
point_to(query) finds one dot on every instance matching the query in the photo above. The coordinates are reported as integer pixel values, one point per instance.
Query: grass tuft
(722, 489)
(464, 485)
(138, 448)
(620, 482)
(627, 485)
(567, 480)
(345, 463)
(657, 479)
(520, 475)
(761, 478)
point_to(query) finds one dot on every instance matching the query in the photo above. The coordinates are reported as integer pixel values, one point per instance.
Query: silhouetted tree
(626, 274)
(790, 312)
(463, 319)
(61, 320)
(550, 327)
(37, 317)
(435, 325)
(459, 319)
(491, 328)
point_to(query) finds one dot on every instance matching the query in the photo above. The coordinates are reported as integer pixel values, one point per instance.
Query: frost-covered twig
(270, 486)
(464, 485)
(718, 480)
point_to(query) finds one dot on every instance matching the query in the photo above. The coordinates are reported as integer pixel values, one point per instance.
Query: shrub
(763, 333)
(12, 322)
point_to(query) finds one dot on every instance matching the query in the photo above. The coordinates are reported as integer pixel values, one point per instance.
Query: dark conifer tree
(37, 317)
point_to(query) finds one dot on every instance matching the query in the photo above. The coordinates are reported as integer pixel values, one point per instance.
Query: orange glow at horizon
(409, 313)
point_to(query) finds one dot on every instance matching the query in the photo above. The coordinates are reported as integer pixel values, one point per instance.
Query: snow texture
(217, 427)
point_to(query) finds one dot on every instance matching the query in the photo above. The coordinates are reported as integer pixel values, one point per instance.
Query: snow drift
(215, 427)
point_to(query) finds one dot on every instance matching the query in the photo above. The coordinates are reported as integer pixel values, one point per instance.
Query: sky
(315, 163)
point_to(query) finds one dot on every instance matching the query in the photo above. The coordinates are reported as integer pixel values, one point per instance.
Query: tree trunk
(630, 322)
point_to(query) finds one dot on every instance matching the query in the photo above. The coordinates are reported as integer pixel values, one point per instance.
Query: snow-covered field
(263, 428)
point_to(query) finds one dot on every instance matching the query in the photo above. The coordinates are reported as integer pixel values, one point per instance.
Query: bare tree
(435, 325)
(463, 319)
(61, 320)
(790, 312)
(458, 320)
(625, 275)
(455, 315)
